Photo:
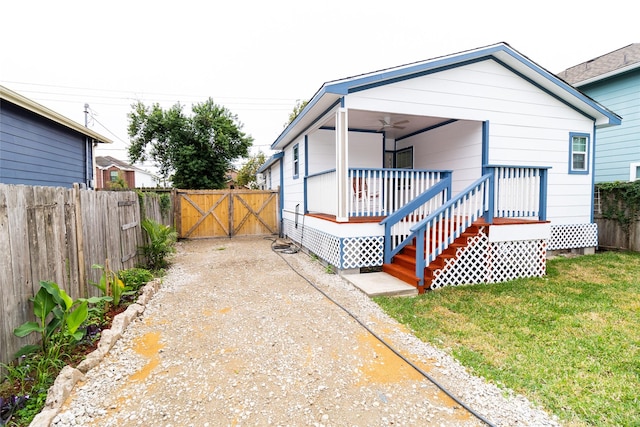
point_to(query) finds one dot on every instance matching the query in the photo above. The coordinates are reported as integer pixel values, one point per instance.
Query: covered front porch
(434, 152)
(396, 214)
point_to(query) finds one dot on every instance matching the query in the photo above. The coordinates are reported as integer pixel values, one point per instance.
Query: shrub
(134, 278)
(162, 240)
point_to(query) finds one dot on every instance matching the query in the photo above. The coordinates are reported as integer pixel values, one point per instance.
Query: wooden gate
(226, 213)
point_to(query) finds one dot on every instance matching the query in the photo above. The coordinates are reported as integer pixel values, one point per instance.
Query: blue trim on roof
(553, 95)
(270, 161)
(286, 131)
(400, 73)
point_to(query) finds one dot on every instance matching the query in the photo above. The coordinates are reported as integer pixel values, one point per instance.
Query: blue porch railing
(503, 191)
(398, 225)
(520, 191)
(372, 191)
(436, 232)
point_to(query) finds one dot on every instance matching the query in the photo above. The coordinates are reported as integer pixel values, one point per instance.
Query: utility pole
(91, 166)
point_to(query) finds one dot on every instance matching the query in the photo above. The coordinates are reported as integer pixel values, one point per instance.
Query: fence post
(80, 242)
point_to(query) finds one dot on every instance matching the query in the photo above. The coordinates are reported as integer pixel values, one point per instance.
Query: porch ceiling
(373, 121)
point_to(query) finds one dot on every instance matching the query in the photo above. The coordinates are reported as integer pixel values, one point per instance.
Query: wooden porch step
(402, 273)
(403, 264)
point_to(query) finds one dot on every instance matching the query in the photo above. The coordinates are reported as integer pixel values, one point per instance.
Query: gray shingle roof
(105, 162)
(605, 64)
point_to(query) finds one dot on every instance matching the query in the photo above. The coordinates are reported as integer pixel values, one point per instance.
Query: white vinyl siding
(527, 127)
(365, 150)
(456, 146)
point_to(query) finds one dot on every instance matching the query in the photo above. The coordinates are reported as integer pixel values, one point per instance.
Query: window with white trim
(296, 161)
(579, 153)
(634, 171)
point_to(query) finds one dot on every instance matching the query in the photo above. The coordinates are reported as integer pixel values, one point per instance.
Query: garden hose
(281, 248)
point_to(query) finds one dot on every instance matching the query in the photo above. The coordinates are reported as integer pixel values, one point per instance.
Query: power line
(151, 95)
(108, 130)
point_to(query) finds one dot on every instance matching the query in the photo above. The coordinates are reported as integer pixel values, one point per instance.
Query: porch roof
(270, 161)
(330, 94)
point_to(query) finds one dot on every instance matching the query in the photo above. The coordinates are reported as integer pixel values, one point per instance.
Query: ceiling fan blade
(401, 122)
(397, 127)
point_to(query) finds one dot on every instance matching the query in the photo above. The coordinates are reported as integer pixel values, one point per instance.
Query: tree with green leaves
(194, 151)
(297, 109)
(247, 173)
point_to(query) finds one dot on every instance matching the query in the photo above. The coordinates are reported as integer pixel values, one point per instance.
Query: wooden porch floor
(377, 219)
(352, 219)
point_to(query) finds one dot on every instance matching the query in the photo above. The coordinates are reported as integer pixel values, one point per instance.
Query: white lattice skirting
(573, 236)
(484, 262)
(344, 253)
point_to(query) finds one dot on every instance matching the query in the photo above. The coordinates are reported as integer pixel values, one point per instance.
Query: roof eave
(41, 110)
(502, 52)
(270, 161)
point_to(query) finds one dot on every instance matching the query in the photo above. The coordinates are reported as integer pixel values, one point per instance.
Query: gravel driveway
(236, 337)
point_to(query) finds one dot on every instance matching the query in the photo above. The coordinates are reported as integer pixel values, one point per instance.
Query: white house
(465, 168)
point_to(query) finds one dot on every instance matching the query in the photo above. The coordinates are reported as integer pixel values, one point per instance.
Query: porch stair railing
(398, 225)
(503, 191)
(435, 233)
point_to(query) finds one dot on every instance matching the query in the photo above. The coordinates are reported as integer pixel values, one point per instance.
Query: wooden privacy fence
(225, 213)
(57, 234)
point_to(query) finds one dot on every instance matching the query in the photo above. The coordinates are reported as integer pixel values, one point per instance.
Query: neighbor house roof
(330, 94)
(23, 102)
(105, 162)
(611, 64)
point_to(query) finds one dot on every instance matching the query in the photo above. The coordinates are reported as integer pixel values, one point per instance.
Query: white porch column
(342, 165)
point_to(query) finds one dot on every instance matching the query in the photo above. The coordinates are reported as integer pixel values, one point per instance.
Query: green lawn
(569, 341)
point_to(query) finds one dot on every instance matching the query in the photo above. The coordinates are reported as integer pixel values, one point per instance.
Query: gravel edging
(267, 349)
(69, 376)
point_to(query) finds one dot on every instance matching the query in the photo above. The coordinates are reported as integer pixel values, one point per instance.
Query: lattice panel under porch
(484, 262)
(324, 245)
(511, 260)
(362, 252)
(573, 236)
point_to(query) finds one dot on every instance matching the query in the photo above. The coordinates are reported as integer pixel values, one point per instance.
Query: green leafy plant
(56, 313)
(620, 201)
(162, 239)
(110, 284)
(134, 278)
(165, 203)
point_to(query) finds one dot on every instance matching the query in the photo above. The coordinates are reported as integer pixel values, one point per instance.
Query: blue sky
(258, 57)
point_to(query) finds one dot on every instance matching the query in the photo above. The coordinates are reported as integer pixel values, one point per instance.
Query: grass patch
(569, 341)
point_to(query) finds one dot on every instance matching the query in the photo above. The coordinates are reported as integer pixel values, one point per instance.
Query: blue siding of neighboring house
(617, 146)
(37, 151)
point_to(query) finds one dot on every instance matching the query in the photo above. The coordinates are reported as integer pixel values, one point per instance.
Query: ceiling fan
(386, 123)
